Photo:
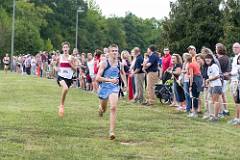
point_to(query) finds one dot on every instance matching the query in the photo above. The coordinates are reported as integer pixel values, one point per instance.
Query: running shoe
(180, 108)
(112, 136)
(226, 112)
(61, 111)
(100, 111)
(206, 115)
(220, 115)
(192, 115)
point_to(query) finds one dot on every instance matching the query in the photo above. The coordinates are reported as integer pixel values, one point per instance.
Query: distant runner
(6, 62)
(65, 73)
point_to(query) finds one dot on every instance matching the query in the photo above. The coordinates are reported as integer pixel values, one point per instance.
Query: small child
(145, 61)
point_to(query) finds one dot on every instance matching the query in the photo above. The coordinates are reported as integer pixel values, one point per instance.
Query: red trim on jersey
(65, 65)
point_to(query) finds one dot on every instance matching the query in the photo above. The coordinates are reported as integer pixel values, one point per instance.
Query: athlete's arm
(72, 63)
(57, 63)
(99, 77)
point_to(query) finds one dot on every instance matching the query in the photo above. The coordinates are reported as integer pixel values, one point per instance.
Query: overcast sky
(142, 8)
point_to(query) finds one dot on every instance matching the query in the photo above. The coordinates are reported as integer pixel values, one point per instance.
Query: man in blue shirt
(152, 74)
(139, 75)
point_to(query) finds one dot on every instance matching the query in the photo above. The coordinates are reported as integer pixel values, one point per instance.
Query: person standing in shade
(152, 74)
(166, 66)
(225, 68)
(178, 88)
(215, 85)
(139, 75)
(195, 85)
(234, 86)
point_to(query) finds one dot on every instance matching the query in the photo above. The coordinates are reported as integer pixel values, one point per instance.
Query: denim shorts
(216, 90)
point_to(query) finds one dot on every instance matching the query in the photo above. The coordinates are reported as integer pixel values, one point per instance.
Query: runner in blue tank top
(108, 76)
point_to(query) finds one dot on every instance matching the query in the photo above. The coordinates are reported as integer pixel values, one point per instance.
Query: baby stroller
(164, 92)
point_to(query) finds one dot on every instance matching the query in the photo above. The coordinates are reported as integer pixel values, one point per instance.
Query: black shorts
(67, 81)
(88, 79)
(237, 97)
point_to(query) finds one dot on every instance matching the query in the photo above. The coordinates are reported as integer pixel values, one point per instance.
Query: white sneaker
(213, 119)
(234, 121)
(193, 115)
(189, 115)
(205, 117)
(180, 108)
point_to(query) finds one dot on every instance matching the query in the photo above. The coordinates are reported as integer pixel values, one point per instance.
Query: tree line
(44, 24)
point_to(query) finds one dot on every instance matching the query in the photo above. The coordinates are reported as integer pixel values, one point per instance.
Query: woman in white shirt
(215, 85)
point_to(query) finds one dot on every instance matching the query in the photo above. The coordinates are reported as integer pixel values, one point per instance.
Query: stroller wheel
(165, 101)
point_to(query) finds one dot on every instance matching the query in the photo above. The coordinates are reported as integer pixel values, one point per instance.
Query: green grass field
(31, 129)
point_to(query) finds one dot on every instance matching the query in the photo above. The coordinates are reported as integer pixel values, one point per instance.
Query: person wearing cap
(195, 85)
(192, 50)
(166, 65)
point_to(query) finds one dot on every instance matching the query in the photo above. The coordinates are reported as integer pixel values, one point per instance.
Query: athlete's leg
(113, 99)
(5, 69)
(102, 107)
(63, 96)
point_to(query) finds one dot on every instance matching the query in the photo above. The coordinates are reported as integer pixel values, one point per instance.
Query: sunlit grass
(31, 129)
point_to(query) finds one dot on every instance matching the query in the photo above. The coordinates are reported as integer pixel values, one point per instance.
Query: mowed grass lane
(31, 129)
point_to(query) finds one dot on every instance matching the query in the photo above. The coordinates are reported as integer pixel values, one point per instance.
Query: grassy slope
(30, 128)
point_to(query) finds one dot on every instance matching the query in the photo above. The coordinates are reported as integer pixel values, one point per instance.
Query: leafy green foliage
(201, 23)
(48, 46)
(193, 22)
(231, 23)
(5, 23)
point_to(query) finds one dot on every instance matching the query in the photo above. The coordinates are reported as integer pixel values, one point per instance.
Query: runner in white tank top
(65, 72)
